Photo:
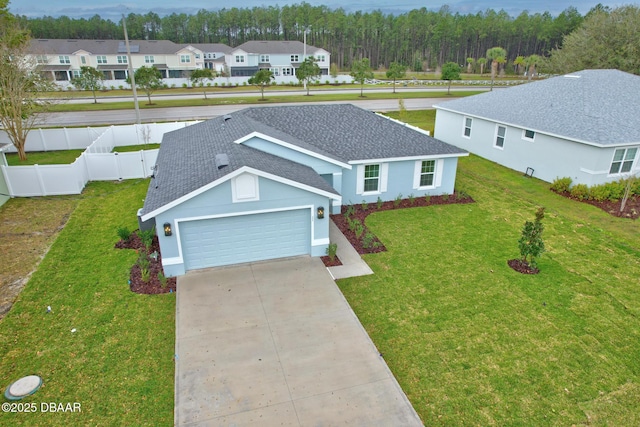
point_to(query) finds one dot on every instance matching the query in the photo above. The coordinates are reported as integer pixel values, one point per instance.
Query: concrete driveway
(276, 343)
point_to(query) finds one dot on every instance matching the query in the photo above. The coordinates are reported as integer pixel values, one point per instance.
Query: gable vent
(222, 160)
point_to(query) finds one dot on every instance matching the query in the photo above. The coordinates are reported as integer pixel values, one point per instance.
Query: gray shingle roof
(101, 47)
(276, 47)
(342, 132)
(592, 106)
(210, 47)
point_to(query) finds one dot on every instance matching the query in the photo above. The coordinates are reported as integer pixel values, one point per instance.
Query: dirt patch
(28, 228)
(362, 240)
(631, 208)
(154, 285)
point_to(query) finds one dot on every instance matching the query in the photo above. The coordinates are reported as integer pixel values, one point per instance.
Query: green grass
(425, 119)
(129, 148)
(473, 342)
(118, 364)
(270, 98)
(62, 157)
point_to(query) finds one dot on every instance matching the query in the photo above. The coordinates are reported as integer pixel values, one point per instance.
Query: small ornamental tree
(308, 72)
(396, 71)
(361, 71)
(262, 78)
(148, 79)
(199, 76)
(530, 243)
(450, 71)
(89, 79)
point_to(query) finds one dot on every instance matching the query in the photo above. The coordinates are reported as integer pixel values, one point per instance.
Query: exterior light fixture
(167, 229)
(320, 212)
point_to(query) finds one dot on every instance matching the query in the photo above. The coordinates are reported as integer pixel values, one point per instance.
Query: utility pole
(131, 74)
(304, 53)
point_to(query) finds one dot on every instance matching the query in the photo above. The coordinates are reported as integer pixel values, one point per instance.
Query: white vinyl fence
(96, 163)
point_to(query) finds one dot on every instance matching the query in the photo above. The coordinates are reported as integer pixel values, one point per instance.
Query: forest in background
(419, 39)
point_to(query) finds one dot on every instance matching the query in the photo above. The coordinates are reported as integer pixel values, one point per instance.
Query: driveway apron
(276, 343)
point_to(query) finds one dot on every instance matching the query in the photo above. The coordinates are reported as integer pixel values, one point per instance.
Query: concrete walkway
(352, 263)
(276, 343)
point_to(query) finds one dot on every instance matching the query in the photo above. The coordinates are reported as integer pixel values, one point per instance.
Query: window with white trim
(64, 59)
(320, 58)
(427, 173)
(239, 58)
(42, 59)
(83, 60)
(197, 55)
(75, 73)
(371, 178)
(623, 159)
(287, 71)
(501, 132)
(264, 58)
(185, 59)
(149, 59)
(101, 59)
(466, 132)
(122, 59)
(275, 71)
(295, 58)
(528, 134)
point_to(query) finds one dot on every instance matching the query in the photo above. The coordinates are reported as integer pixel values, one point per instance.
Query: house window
(264, 58)
(501, 131)
(75, 73)
(83, 60)
(239, 58)
(467, 127)
(275, 71)
(64, 59)
(320, 58)
(149, 59)
(529, 135)
(286, 71)
(623, 160)
(101, 59)
(427, 173)
(185, 59)
(295, 58)
(197, 56)
(371, 178)
(122, 59)
(42, 59)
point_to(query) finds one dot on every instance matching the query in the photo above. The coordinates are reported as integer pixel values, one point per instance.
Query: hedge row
(612, 191)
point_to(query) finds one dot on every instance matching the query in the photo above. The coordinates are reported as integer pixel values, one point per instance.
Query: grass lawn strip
(119, 362)
(474, 343)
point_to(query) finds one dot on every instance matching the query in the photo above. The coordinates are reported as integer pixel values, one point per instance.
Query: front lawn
(58, 157)
(473, 342)
(101, 345)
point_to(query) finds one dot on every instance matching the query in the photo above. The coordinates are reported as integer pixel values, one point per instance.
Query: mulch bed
(631, 208)
(328, 263)
(153, 286)
(522, 267)
(361, 212)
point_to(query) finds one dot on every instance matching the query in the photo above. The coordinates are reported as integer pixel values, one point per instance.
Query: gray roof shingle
(342, 132)
(276, 47)
(590, 106)
(101, 47)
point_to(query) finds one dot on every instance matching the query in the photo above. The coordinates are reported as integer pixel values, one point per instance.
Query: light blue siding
(550, 157)
(400, 180)
(217, 202)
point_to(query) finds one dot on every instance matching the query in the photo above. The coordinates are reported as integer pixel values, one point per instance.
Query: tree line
(419, 39)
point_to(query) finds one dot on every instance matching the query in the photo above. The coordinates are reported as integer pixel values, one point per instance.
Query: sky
(114, 10)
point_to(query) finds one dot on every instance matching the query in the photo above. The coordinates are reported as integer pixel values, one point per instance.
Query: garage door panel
(246, 238)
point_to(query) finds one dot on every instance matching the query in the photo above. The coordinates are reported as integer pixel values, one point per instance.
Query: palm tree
(470, 62)
(518, 62)
(496, 55)
(531, 62)
(482, 62)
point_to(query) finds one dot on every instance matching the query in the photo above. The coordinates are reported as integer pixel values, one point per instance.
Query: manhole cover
(23, 387)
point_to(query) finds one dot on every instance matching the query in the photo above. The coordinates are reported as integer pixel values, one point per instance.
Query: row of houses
(62, 59)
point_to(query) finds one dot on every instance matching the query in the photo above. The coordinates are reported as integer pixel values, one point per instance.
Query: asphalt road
(190, 113)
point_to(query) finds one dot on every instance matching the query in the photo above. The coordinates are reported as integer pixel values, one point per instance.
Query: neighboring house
(583, 125)
(281, 57)
(61, 59)
(260, 183)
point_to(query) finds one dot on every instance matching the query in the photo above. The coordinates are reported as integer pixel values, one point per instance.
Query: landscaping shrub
(124, 233)
(379, 202)
(599, 193)
(397, 201)
(369, 241)
(530, 243)
(332, 250)
(144, 264)
(147, 238)
(580, 192)
(615, 189)
(560, 185)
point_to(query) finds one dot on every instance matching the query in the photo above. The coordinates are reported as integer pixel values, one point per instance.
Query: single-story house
(584, 125)
(260, 183)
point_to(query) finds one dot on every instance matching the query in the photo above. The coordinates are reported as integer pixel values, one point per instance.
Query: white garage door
(245, 238)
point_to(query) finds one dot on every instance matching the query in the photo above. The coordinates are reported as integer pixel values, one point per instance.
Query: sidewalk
(352, 263)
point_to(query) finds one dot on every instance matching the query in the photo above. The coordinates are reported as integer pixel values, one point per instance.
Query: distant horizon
(87, 8)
